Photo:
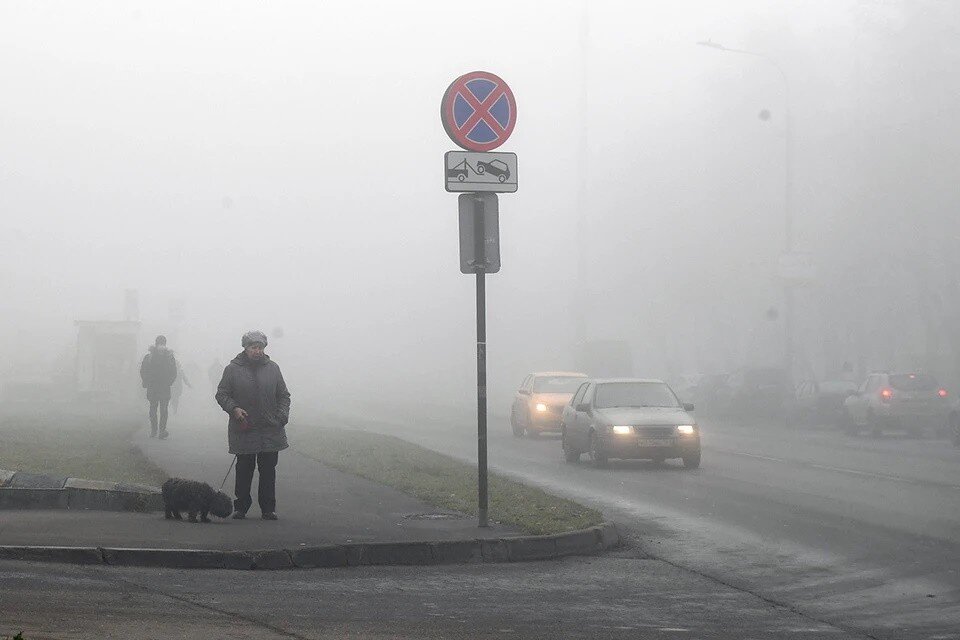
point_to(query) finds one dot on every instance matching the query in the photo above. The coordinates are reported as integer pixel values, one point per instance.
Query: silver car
(910, 401)
(629, 418)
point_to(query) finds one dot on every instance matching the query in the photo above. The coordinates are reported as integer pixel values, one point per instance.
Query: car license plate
(656, 442)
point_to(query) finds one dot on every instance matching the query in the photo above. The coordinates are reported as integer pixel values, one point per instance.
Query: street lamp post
(788, 290)
(583, 158)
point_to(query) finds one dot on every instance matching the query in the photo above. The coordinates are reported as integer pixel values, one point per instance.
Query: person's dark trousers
(162, 405)
(266, 462)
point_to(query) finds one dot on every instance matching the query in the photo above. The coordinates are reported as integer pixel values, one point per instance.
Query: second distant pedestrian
(157, 373)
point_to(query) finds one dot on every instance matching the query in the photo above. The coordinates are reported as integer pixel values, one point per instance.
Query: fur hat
(253, 337)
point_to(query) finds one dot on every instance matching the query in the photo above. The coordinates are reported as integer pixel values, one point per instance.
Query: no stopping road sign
(478, 111)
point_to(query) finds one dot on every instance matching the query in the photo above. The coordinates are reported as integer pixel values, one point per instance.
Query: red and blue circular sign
(478, 111)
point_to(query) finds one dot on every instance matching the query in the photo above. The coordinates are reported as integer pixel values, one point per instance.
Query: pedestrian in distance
(158, 370)
(214, 371)
(176, 391)
(253, 393)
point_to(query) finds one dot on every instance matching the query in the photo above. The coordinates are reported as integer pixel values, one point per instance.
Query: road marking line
(855, 472)
(748, 455)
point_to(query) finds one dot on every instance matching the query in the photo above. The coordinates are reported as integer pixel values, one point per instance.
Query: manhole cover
(433, 516)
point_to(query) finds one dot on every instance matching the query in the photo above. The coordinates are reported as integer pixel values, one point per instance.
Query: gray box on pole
(479, 233)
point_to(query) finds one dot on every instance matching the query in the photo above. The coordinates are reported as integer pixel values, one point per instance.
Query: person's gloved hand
(241, 417)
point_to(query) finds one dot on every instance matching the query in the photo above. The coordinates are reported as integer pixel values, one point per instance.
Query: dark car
(819, 403)
(629, 418)
(496, 168)
(762, 392)
(711, 393)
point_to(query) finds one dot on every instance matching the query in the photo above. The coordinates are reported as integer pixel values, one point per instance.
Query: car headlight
(541, 407)
(622, 431)
(686, 429)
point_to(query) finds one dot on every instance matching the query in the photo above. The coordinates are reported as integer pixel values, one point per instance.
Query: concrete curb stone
(272, 559)
(5, 477)
(136, 488)
(354, 554)
(238, 560)
(577, 541)
(34, 499)
(531, 548)
(319, 557)
(457, 552)
(26, 480)
(96, 499)
(169, 558)
(69, 555)
(609, 536)
(82, 483)
(379, 553)
(518, 549)
(494, 551)
(21, 490)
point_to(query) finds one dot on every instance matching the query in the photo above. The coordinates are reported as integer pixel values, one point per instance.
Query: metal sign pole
(480, 239)
(482, 395)
(489, 173)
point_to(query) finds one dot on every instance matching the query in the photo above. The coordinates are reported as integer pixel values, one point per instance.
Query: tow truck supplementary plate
(471, 171)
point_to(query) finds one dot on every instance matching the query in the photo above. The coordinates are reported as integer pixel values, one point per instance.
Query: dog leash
(233, 462)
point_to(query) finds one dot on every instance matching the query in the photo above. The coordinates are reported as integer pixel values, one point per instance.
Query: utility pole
(583, 164)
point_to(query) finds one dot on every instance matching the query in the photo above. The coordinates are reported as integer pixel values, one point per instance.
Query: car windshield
(557, 384)
(913, 382)
(635, 394)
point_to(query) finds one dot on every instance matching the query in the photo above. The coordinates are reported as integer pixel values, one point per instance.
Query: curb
(22, 490)
(591, 541)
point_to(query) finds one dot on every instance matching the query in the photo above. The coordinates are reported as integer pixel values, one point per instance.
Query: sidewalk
(317, 505)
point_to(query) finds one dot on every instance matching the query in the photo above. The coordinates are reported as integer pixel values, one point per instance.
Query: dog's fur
(194, 497)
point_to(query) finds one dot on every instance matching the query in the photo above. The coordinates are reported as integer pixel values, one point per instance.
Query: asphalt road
(780, 534)
(618, 596)
(860, 532)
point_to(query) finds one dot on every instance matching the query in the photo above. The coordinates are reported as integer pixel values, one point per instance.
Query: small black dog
(194, 497)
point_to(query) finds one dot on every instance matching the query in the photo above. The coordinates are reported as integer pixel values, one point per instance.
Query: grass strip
(96, 447)
(443, 481)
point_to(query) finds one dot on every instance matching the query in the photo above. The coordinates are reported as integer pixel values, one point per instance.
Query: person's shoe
(269, 515)
(238, 515)
(164, 435)
(153, 433)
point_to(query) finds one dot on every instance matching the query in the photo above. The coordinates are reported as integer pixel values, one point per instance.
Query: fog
(278, 166)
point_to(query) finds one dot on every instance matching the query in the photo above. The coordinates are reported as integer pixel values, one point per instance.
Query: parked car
(540, 400)
(629, 418)
(761, 392)
(687, 386)
(819, 403)
(712, 393)
(910, 401)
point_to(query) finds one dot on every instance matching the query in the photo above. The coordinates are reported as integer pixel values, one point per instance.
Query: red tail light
(886, 394)
(942, 393)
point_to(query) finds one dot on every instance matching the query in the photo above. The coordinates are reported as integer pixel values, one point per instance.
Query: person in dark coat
(252, 391)
(158, 370)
